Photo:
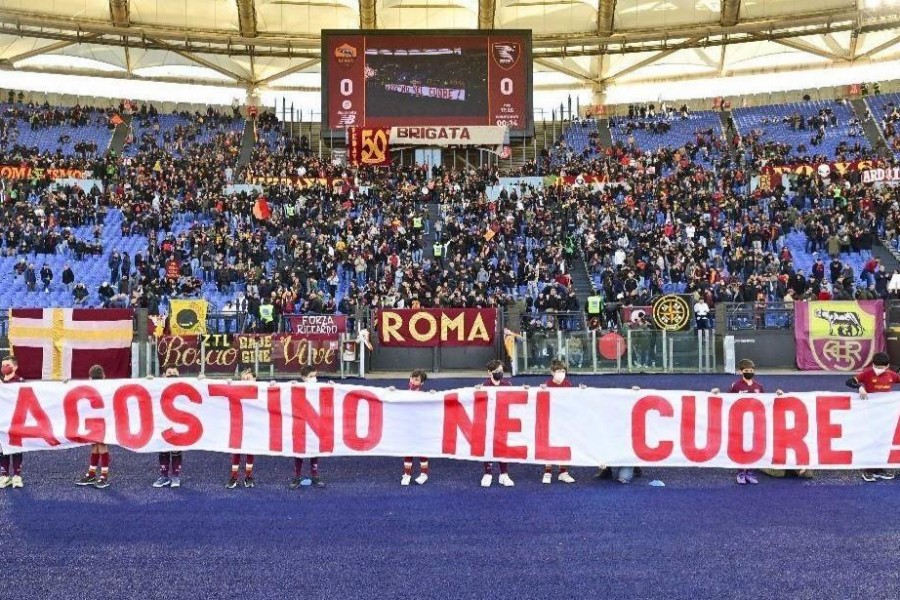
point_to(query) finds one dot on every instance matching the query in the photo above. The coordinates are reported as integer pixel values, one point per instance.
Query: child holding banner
(878, 377)
(558, 379)
(416, 380)
(99, 452)
(746, 385)
(10, 464)
(167, 459)
(246, 375)
(309, 375)
(495, 379)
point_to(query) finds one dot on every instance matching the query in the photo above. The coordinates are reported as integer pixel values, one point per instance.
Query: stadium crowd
(322, 237)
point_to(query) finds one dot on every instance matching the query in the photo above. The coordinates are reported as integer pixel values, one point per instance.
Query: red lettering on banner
(27, 405)
(351, 415)
(736, 413)
(95, 429)
(456, 419)
(542, 448)
(894, 455)
(275, 420)
(321, 421)
(192, 424)
(790, 438)
(639, 413)
(124, 437)
(689, 429)
(827, 432)
(504, 425)
(235, 394)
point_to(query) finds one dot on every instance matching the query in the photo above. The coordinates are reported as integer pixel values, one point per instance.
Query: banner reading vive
(838, 335)
(428, 327)
(586, 427)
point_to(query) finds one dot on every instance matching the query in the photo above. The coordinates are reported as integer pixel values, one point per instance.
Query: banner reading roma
(838, 335)
(224, 353)
(584, 427)
(27, 172)
(428, 327)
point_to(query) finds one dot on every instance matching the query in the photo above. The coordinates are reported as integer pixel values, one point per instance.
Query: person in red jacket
(169, 462)
(558, 379)
(416, 380)
(308, 374)
(496, 379)
(874, 379)
(746, 385)
(99, 452)
(246, 375)
(10, 464)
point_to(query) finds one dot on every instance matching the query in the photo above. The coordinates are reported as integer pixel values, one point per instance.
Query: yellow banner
(187, 317)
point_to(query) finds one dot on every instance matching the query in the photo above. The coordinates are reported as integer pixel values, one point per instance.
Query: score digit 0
(506, 86)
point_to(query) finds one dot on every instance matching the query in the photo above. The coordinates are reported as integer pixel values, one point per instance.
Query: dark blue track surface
(364, 536)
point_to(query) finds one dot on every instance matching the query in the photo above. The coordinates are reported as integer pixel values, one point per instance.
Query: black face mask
(748, 376)
(496, 375)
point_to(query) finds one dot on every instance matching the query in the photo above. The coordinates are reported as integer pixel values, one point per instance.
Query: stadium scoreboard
(390, 78)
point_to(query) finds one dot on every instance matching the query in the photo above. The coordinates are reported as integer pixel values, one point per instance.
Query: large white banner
(571, 426)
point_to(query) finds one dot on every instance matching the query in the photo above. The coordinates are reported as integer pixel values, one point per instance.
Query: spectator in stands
(30, 278)
(46, 277)
(80, 294)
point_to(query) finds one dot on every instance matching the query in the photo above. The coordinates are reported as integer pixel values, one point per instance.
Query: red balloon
(611, 346)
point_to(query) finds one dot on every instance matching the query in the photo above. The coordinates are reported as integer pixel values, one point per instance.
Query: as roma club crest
(506, 54)
(345, 54)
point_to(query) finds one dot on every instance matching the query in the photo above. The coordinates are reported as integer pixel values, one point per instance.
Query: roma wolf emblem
(841, 323)
(506, 54)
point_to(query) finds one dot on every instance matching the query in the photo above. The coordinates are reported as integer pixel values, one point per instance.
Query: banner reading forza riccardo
(428, 327)
(838, 335)
(224, 353)
(585, 427)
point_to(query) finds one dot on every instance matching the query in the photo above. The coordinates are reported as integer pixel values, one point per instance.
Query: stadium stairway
(870, 127)
(248, 143)
(889, 257)
(434, 215)
(605, 137)
(581, 280)
(117, 143)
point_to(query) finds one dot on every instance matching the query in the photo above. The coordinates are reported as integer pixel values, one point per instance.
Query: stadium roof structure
(275, 44)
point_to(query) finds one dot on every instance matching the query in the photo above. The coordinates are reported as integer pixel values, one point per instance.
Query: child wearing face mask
(496, 379)
(10, 464)
(309, 375)
(558, 379)
(874, 379)
(416, 380)
(99, 452)
(746, 385)
(250, 376)
(169, 462)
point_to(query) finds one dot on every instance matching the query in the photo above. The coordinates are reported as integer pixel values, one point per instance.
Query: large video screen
(396, 78)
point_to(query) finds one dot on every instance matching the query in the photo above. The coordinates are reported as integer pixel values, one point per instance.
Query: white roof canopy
(274, 44)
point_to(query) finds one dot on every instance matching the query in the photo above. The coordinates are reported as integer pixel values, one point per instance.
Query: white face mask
(879, 370)
(311, 380)
(559, 377)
